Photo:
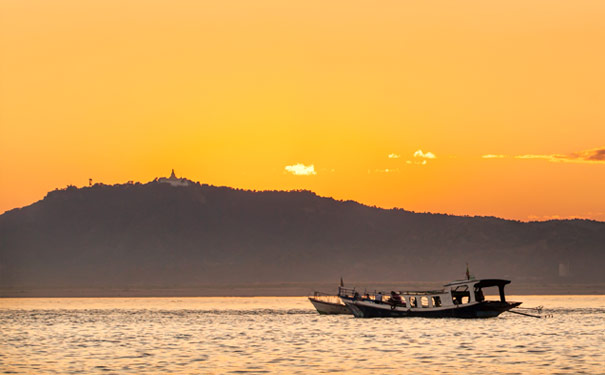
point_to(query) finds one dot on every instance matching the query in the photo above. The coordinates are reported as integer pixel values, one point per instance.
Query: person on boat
(378, 297)
(395, 298)
(479, 296)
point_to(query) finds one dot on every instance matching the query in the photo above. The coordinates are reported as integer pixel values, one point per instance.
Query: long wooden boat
(458, 299)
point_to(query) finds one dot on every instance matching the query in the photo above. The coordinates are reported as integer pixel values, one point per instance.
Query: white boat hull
(329, 308)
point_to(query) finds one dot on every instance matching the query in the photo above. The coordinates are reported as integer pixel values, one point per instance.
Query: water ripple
(285, 335)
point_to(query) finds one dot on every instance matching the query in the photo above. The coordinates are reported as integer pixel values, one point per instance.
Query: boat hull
(486, 309)
(328, 308)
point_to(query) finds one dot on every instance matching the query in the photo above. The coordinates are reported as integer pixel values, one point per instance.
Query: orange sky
(232, 92)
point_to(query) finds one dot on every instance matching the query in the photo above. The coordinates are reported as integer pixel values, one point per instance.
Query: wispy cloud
(301, 169)
(592, 156)
(420, 158)
(595, 155)
(420, 154)
(534, 156)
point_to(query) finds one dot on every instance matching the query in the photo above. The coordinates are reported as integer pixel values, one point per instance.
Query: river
(284, 335)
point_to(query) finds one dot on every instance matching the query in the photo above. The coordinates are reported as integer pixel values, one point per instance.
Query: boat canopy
(479, 284)
(500, 283)
(486, 283)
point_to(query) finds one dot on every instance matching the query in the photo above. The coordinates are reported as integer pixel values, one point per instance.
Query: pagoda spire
(172, 175)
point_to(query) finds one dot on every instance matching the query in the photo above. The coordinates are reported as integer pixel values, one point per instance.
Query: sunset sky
(463, 107)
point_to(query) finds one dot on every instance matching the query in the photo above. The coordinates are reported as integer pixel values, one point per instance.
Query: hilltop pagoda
(173, 180)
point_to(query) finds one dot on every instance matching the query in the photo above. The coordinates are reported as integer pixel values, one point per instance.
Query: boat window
(413, 302)
(461, 295)
(436, 301)
(424, 301)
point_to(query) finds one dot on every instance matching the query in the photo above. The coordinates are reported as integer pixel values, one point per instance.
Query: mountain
(159, 235)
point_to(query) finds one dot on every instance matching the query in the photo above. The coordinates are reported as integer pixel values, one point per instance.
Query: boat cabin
(455, 293)
(467, 291)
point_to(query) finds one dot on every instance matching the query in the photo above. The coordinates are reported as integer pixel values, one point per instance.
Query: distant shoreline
(278, 290)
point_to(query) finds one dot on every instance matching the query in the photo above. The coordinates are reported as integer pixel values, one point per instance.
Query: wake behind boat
(458, 299)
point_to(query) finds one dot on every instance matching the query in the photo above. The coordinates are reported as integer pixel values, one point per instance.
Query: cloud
(595, 155)
(420, 158)
(592, 156)
(301, 169)
(534, 156)
(420, 154)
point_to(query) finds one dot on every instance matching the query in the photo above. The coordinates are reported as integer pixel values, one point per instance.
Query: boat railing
(420, 293)
(366, 295)
(346, 292)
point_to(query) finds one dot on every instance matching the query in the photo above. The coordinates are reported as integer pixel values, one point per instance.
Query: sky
(492, 108)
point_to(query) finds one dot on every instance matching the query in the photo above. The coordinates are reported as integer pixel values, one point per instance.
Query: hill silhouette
(158, 235)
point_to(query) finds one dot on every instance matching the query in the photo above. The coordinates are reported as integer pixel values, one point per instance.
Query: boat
(327, 304)
(457, 299)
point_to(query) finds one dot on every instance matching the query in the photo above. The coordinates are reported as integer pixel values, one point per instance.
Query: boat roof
(482, 283)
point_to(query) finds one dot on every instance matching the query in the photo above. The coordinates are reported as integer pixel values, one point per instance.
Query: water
(285, 336)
